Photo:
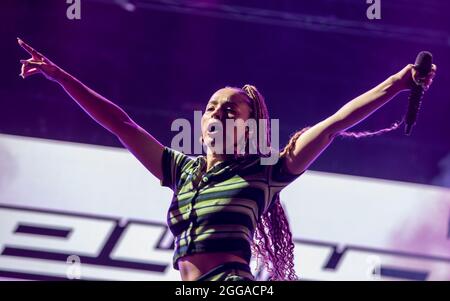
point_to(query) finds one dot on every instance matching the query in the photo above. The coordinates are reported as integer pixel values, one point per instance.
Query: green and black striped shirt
(217, 211)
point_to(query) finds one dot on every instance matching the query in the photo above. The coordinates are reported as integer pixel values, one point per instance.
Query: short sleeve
(173, 163)
(279, 176)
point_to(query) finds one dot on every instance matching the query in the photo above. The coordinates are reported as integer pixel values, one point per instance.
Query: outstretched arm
(143, 145)
(316, 139)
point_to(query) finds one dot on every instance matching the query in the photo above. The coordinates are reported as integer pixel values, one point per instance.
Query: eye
(208, 109)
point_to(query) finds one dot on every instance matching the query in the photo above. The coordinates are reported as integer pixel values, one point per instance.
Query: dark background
(166, 58)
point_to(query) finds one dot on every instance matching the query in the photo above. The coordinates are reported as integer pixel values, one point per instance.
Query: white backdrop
(112, 211)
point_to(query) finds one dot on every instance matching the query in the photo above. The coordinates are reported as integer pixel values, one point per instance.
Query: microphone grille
(423, 63)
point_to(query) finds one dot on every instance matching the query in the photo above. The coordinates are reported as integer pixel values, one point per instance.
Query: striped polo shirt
(217, 211)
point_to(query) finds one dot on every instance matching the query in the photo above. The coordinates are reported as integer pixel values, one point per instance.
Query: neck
(213, 159)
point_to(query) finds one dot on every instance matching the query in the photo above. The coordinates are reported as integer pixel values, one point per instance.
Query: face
(226, 103)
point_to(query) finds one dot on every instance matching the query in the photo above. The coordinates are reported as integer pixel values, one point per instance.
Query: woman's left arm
(317, 138)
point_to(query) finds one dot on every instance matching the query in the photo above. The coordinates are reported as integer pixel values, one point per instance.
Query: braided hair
(272, 242)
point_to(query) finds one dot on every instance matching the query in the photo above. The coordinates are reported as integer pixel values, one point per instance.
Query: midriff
(194, 265)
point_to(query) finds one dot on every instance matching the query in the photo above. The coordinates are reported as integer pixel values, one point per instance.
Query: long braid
(393, 127)
(260, 112)
(272, 242)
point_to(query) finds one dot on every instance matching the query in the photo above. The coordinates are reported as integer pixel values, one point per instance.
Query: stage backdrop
(80, 211)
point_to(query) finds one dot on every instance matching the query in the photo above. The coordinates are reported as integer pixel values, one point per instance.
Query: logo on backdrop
(50, 245)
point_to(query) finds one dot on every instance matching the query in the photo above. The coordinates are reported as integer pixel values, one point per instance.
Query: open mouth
(214, 127)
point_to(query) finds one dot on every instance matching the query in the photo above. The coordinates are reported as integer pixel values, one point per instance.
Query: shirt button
(205, 179)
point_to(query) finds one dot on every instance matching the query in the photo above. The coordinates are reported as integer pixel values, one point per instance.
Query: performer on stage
(226, 206)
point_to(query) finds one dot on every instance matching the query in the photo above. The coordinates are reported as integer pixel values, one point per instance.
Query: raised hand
(408, 76)
(38, 63)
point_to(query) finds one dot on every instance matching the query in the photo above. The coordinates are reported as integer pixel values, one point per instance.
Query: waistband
(228, 269)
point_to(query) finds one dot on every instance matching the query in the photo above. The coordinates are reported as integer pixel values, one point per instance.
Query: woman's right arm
(139, 142)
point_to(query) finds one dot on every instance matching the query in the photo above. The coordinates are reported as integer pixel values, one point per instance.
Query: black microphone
(423, 65)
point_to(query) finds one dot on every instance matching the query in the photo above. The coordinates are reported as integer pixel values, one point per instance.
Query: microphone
(423, 66)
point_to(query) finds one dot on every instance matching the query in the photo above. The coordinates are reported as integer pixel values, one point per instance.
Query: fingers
(427, 80)
(25, 46)
(30, 67)
(27, 72)
(29, 49)
(432, 73)
(30, 72)
(31, 62)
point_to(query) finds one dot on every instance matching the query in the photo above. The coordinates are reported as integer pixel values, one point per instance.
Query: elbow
(120, 127)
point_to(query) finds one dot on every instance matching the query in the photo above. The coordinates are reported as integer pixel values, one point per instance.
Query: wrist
(396, 84)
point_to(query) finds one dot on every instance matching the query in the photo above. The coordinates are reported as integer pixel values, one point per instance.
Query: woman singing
(226, 205)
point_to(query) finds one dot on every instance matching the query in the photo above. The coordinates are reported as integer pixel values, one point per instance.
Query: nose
(217, 114)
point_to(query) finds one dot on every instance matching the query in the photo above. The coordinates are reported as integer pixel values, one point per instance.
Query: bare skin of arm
(139, 142)
(316, 139)
(144, 146)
